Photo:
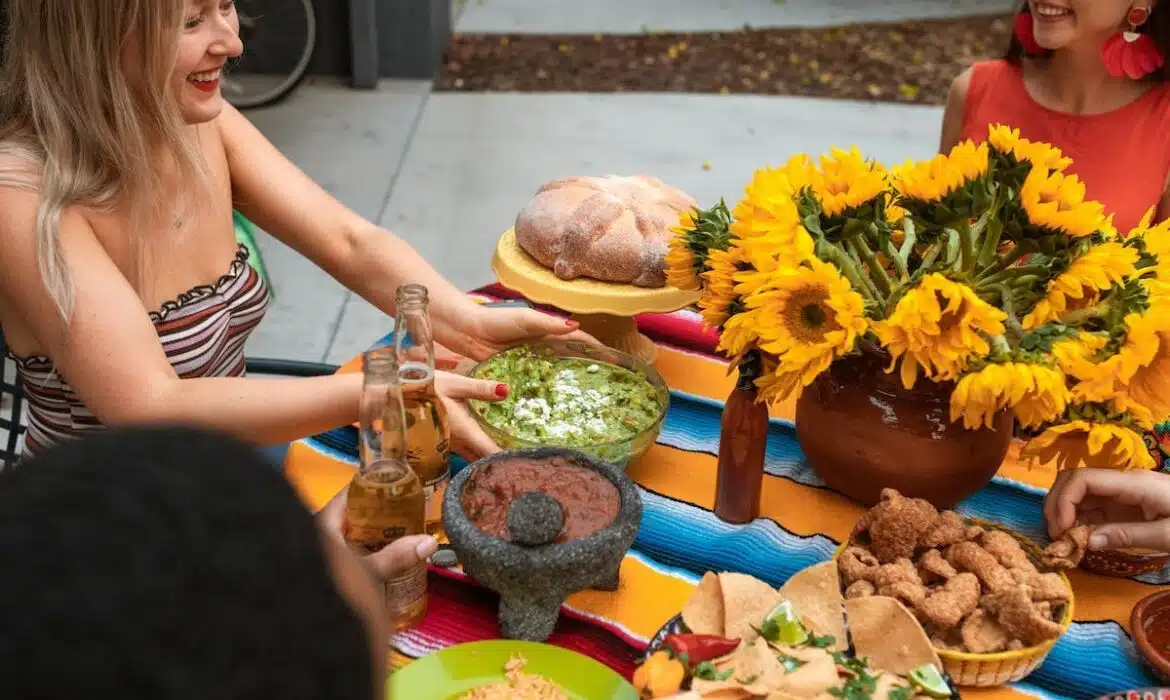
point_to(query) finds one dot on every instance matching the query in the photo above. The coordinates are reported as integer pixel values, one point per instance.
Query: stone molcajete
(538, 525)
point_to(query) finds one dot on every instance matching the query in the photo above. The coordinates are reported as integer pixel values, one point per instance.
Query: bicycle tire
(294, 78)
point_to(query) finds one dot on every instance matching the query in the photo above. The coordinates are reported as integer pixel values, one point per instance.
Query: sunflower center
(807, 317)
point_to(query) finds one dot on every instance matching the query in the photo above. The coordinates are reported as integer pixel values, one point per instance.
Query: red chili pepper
(700, 647)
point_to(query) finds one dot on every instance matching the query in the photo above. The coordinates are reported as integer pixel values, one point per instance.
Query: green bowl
(451, 672)
(621, 452)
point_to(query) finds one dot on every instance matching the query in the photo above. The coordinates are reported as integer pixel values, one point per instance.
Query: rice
(518, 686)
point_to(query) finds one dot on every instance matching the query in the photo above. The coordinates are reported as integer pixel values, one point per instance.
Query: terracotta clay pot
(862, 432)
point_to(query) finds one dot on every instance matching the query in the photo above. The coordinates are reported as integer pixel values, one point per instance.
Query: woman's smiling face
(210, 36)
(1063, 23)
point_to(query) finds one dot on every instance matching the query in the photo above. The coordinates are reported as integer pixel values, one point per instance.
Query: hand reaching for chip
(1124, 509)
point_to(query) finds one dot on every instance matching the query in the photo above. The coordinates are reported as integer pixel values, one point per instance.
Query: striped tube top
(202, 332)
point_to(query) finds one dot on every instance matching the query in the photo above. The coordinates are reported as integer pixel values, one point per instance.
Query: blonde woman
(124, 296)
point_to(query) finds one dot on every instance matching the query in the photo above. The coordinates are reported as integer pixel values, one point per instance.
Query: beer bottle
(385, 499)
(427, 435)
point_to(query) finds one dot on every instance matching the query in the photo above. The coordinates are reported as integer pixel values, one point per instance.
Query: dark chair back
(12, 425)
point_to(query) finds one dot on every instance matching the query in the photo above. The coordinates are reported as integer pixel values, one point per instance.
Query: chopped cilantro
(903, 692)
(770, 630)
(859, 687)
(708, 672)
(851, 664)
(747, 681)
(821, 642)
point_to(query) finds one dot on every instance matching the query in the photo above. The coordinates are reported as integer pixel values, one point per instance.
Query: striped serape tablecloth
(802, 523)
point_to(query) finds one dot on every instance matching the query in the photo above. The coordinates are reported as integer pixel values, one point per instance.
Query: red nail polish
(572, 324)
(502, 391)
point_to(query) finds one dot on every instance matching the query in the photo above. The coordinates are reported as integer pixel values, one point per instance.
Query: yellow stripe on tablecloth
(644, 601)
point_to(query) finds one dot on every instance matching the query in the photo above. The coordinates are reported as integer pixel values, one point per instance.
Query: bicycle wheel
(279, 37)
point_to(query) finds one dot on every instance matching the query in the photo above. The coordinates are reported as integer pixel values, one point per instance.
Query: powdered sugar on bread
(612, 228)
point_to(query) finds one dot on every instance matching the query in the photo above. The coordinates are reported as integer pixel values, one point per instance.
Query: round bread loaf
(612, 228)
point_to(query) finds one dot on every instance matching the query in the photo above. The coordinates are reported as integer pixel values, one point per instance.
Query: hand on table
(1125, 509)
(398, 556)
(485, 330)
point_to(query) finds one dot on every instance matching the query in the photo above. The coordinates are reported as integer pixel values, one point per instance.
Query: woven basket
(991, 670)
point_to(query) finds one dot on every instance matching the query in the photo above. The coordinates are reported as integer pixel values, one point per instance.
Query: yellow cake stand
(605, 310)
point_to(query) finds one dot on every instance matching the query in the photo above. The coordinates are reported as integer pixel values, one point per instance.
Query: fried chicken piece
(897, 524)
(947, 605)
(947, 529)
(982, 634)
(932, 567)
(857, 564)
(974, 532)
(1021, 620)
(1043, 609)
(1007, 550)
(1015, 645)
(900, 580)
(1048, 587)
(860, 589)
(968, 556)
(1067, 552)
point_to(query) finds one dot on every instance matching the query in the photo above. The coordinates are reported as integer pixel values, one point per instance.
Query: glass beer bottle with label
(385, 500)
(427, 435)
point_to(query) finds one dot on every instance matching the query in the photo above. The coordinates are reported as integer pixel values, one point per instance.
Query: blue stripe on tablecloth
(683, 539)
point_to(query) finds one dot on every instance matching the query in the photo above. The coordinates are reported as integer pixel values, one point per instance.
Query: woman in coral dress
(1089, 77)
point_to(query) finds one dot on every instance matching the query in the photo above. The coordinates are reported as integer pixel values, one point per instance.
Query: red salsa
(1157, 629)
(589, 501)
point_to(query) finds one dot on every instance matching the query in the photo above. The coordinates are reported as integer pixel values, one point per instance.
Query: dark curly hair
(1157, 26)
(173, 564)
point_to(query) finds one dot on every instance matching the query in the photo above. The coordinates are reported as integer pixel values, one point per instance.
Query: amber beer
(427, 433)
(385, 499)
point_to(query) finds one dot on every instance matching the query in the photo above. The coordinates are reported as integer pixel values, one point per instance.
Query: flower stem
(1010, 274)
(932, 254)
(896, 257)
(877, 273)
(909, 242)
(831, 253)
(1081, 316)
(954, 256)
(966, 247)
(1008, 300)
(1002, 262)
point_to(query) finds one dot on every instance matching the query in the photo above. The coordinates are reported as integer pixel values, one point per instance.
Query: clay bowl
(533, 581)
(1122, 563)
(1150, 612)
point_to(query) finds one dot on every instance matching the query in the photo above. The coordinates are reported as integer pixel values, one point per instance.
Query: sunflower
(1056, 201)
(681, 270)
(809, 317)
(1137, 376)
(932, 180)
(1008, 142)
(771, 195)
(940, 326)
(1089, 443)
(769, 255)
(719, 301)
(846, 181)
(739, 333)
(1101, 267)
(1035, 392)
(1074, 354)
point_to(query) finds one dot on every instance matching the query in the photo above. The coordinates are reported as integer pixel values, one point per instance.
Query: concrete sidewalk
(625, 17)
(449, 171)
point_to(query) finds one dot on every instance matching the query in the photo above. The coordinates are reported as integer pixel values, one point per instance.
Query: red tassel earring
(1129, 54)
(1026, 34)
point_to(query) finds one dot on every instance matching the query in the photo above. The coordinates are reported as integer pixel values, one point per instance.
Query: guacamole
(567, 402)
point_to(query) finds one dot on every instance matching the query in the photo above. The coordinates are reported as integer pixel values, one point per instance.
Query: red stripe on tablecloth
(673, 330)
(458, 611)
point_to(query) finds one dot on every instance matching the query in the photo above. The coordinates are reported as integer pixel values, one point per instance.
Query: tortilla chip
(746, 602)
(815, 592)
(888, 635)
(703, 613)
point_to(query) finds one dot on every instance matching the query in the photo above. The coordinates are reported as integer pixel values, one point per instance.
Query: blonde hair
(89, 135)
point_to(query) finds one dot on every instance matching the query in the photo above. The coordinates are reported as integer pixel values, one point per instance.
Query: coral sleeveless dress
(1123, 156)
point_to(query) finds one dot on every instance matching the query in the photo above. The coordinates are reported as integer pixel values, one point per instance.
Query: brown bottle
(743, 440)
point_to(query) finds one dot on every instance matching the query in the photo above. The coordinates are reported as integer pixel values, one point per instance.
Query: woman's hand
(395, 558)
(1126, 509)
(483, 330)
(467, 439)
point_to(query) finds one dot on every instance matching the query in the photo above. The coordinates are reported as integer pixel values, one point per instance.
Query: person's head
(1084, 25)
(99, 97)
(176, 564)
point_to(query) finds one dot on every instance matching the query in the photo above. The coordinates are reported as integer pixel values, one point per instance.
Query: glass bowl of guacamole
(596, 400)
